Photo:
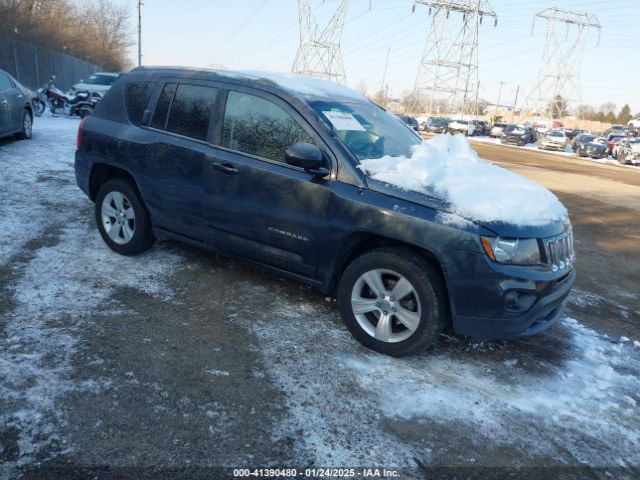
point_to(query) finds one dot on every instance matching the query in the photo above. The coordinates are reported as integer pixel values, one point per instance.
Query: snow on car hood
(474, 189)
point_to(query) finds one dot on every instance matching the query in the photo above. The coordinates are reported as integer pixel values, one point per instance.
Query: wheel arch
(360, 243)
(103, 172)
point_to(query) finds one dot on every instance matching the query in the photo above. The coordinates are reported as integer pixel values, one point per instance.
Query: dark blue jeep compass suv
(281, 170)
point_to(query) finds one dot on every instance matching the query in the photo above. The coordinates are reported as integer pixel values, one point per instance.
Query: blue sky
(263, 34)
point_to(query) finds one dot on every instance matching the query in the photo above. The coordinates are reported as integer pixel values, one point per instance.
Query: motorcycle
(81, 103)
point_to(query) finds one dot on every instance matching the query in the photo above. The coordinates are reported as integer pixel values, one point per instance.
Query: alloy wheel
(118, 218)
(386, 305)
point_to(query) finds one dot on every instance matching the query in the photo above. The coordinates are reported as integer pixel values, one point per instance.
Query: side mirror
(307, 156)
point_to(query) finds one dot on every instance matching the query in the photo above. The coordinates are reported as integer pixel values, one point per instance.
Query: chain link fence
(33, 66)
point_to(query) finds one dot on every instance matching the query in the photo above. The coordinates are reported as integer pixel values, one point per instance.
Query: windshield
(588, 138)
(367, 130)
(101, 79)
(555, 133)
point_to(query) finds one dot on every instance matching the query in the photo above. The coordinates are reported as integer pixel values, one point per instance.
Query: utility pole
(515, 101)
(498, 102)
(139, 33)
(319, 53)
(384, 73)
(448, 71)
(559, 78)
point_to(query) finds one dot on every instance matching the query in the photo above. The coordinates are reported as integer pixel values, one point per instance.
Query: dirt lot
(176, 363)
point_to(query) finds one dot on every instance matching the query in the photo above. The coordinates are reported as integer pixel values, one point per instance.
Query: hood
(446, 174)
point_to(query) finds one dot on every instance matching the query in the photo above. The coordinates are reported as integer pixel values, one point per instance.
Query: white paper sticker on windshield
(344, 121)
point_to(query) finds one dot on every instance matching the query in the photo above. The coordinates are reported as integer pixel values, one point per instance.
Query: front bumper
(550, 303)
(596, 153)
(554, 146)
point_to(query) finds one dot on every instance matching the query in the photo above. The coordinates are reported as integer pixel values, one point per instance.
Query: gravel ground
(176, 363)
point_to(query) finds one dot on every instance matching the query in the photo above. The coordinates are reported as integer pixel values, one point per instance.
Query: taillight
(80, 132)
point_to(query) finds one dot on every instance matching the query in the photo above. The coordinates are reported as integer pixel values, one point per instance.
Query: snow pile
(475, 189)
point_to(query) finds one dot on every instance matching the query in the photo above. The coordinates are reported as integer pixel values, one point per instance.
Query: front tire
(39, 107)
(27, 126)
(392, 301)
(123, 220)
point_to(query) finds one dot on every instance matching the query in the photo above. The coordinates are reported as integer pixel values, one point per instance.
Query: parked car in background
(613, 138)
(497, 130)
(552, 140)
(16, 111)
(540, 128)
(628, 150)
(410, 121)
(572, 133)
(619, 129)
(589, 145)
(99, 82)
(485, 127)
(518, 135)
(261, 140)
(461, 126)
(435, 124)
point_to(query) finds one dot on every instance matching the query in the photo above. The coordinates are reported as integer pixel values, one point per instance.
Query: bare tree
(96, 30)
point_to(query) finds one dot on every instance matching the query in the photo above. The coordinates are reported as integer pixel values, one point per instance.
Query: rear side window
(191, 111)
(259, 127)
(162, 107)
(137, 97)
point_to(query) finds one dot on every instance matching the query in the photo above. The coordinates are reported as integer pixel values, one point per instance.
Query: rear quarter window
(137, 95)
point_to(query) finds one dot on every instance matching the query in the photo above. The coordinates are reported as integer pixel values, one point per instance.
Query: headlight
(512, 251)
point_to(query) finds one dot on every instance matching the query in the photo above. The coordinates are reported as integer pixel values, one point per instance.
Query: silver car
(553, 139)
(99, 82)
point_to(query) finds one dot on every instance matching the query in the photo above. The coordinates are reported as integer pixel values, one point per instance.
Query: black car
(16, 111)
(518, 135)
(485, 127)
(410, 121)
(274, 169)
(588, 145)
(572, 133)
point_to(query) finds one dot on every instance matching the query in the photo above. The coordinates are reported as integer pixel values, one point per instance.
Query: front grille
(560, 253)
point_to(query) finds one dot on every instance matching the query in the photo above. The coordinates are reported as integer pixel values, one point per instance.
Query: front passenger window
(259, 127)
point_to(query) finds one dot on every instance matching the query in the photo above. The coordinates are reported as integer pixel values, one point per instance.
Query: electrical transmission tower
(558, 83)
(319, 53)
(448, 74)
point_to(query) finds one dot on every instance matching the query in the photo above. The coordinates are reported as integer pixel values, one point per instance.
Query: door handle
(227, 168)
(4, 101)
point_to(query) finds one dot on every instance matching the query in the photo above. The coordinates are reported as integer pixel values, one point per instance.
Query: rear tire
(412, 322)
(123, 220)
(27, 126)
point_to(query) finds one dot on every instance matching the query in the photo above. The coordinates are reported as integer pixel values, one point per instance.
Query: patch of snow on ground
(476, 190)
(56, 286)
(577, 408)
(25, 164)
